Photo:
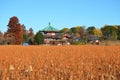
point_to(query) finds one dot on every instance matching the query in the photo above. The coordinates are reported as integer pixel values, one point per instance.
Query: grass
(83, 62)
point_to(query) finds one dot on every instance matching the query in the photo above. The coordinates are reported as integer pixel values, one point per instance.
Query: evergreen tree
(31, 41)
(90, 30)
(25, 38)
(39, 38)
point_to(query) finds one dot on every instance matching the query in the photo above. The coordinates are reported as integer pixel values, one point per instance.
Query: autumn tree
(1, 37)
(78, 28)
(1, 34)
(31, 33)
(25, 31)
(83, 32)
(5, 35)
(15, 28)
(12, 25)
(73, 30)
(19, 34)
(97, 32)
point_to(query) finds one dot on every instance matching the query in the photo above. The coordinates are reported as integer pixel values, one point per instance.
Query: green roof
(49, 28)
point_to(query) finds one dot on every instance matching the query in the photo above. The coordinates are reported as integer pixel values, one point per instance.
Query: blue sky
(61, 13)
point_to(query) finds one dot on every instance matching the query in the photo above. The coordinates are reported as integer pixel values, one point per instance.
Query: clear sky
(61, 13)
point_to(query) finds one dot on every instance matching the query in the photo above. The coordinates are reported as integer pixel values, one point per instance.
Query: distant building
(53, 36)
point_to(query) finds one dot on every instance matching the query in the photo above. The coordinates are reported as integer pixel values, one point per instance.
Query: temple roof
(49, 28)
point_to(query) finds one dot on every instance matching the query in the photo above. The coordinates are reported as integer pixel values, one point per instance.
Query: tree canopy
(16, 29)
(39, 38)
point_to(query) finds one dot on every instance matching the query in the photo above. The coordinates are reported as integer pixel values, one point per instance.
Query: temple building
(54, 37)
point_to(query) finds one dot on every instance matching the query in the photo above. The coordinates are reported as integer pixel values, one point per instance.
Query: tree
(1, 34)
(114, 35)
(12, 24)
(97, 32)
(90, 30)
(64, 30)
(31, 34)
(25, 38)
(78, 28)
(31, 41)
(108, 31)
(25, 34)
(73, 30)
(15, 28)
(39, 38)
(24, 30)
(118, 34)
(83, 33)
(19, 34)
(5, 35)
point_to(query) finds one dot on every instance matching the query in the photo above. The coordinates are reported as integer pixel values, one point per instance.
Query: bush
(39, 38)
(78, 43)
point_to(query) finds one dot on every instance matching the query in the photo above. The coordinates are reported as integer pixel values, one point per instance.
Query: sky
(61, 13)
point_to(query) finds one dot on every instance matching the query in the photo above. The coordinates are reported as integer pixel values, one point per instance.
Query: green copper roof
(49, 28)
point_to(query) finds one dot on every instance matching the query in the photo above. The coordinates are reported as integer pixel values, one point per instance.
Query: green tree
(76, 30)
(108, 31)
(90, 30)
(118, 34)
(114, 35)
(73, 30)
(39, 38)
(64, 30)
(25, 34)
(31, 41)
(25, 38)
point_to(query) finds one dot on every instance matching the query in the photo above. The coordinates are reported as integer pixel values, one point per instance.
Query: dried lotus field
(84, 62)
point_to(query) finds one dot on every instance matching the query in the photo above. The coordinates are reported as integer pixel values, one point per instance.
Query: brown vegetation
(31, 33)
(15, 28)
(110, 43)
(59, 62)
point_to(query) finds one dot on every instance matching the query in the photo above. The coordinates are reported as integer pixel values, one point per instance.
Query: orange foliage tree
(5, 35)
(1, 34)
(24, 30)
(15, 28)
